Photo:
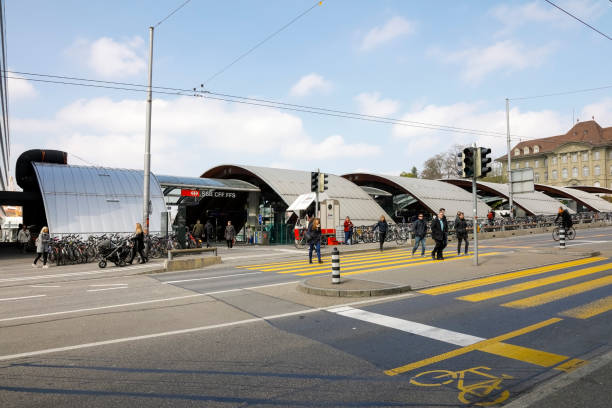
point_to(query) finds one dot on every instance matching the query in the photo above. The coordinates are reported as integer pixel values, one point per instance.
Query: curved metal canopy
(591, 201)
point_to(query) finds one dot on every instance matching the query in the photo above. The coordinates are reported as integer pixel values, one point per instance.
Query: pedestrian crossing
(597, 276)
(355, 263)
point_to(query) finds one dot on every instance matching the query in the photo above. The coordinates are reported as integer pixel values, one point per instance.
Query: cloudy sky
(439, 62)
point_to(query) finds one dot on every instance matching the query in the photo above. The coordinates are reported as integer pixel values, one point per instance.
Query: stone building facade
(581, 157)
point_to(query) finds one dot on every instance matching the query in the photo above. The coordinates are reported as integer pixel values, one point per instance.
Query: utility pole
(475, 209)
(511, 204)
(147, 154)
(317, 194)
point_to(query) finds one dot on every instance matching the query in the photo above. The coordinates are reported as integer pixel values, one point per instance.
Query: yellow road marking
(476, 346)
(590, 309)
(528, 355)
(562, 293)
(455, 287)
(519, 287)
(571, 365)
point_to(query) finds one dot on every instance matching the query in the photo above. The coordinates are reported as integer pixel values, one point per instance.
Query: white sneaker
(45, 266)
(34, 266)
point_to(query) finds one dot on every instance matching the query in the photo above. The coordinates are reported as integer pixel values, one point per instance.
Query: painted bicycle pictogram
(473, 389)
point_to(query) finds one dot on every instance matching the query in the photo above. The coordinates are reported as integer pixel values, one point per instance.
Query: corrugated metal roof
(84, 200)
(535, 202)
(354, 202)
(592, 200)
(205, 183)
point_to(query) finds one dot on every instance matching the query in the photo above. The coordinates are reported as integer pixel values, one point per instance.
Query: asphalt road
(237, 335)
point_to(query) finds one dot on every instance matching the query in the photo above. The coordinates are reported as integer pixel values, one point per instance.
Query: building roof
(591, 201)
(205, 183)
(290, 184)
(433, 194)
(582, 132)
(85, 200)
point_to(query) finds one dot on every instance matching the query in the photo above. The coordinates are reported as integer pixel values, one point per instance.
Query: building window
(554, 174)
(536, 163)
(585, 156)
(585, 171)
(596, 155)
(596, 171)
(526, 164)
(536, 149)
(564, 173)
(517, 152)
(518, 165)
(574, 172)
(596, 184)
(537, 177)
(574, 157)
(564, 158)
(526, 150)
(554, 160)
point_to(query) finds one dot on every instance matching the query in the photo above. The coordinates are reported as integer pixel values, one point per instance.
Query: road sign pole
(317, 195)
(147, 155)
(510, 192)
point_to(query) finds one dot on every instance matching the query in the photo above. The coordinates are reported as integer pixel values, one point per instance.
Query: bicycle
(475, 393)
(300, 241)
(570, 233)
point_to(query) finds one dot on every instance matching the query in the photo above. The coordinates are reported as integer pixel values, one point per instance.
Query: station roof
(290, 184)
(433, 194)
(591, 201)
(205, 183)
(534, 203)
(592, 189)
(86, 200)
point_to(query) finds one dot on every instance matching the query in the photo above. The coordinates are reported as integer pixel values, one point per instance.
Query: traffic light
(314, 181)
(467, 162)
(460, 165)
(482, 162)
(322, 182)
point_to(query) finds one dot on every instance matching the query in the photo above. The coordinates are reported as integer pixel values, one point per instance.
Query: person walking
(138, 245)
(420, 232)
(461, 232)
(208, 230)
(382, 228)
(198, 232)
(314, 239)
(230, 234)
(491, 217)
(23, 237)
(438, 232)
(445, 243)
(42, 247)
(348, 231)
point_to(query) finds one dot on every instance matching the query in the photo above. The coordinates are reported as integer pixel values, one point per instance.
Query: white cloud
(111, 59)
(394, 28)
(309, 84)
(601, 111)
(19, 88)
(372, 104)
(189, 135)
(506, 56)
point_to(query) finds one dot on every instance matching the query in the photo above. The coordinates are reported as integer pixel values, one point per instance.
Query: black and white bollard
(562, 238)
(335, 265)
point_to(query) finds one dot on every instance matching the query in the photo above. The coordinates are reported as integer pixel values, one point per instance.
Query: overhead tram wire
(269, 103)
(576, 18)
(259, 44)
(561, 93)
(171, 13)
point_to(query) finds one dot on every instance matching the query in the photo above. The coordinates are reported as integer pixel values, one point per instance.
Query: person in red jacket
(348, 231)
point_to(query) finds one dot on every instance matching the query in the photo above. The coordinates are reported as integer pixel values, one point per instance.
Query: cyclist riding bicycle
(566, 219)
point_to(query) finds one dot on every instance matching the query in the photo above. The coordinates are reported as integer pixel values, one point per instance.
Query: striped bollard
(562, 238)
(335, 265)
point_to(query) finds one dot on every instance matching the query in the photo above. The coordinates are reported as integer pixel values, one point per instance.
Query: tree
(414, 173)
(442, 165)
(432, 168)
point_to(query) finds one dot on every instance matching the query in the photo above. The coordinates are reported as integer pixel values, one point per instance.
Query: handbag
(307, 236)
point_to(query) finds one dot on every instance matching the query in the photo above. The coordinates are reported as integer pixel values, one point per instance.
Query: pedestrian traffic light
(482, 162)
(322, 182)
(314, 181)
(467, 162)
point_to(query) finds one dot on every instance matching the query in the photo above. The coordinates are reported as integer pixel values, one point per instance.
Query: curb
(557, 251)
(333, 292)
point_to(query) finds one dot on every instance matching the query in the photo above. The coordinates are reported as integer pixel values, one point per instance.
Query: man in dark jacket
(198, 232)
(461, 232)
(208, 229)
(443, 211)
(566, 219)
(382, 228)
(439, 230)
(420, 232)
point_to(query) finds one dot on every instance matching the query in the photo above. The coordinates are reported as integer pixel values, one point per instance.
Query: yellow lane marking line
(455, 287)
(590, 309)
(467, 349)
(528, 355)
(520, 287)
(562, 293)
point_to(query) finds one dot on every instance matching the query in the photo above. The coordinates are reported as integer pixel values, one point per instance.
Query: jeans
(347, 236)
(317, 246)
(44, 257)
(230, 243)
(464, 238)
(382, 237)
(419, 240)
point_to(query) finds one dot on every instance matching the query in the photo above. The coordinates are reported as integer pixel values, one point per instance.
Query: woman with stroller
(138, 240)
(42, 247)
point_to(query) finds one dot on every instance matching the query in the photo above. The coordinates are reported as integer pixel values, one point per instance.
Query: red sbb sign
(190, 193)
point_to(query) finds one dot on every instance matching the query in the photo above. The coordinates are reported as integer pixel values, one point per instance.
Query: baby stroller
(118, 254)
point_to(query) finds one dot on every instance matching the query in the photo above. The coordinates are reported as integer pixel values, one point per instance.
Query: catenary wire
(561, 93)
(208, 96)
(266, 101)
(576, 18)
(172, 13)
(253, 48)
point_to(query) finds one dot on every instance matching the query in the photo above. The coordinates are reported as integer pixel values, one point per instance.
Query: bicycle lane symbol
(480, 389)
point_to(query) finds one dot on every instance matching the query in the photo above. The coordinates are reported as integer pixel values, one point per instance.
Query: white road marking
(45, 286)
(22, 297)
(98, 290)
(212, 277)
(436, 333)
(110, 284)
(191, 330)
(62, 275)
